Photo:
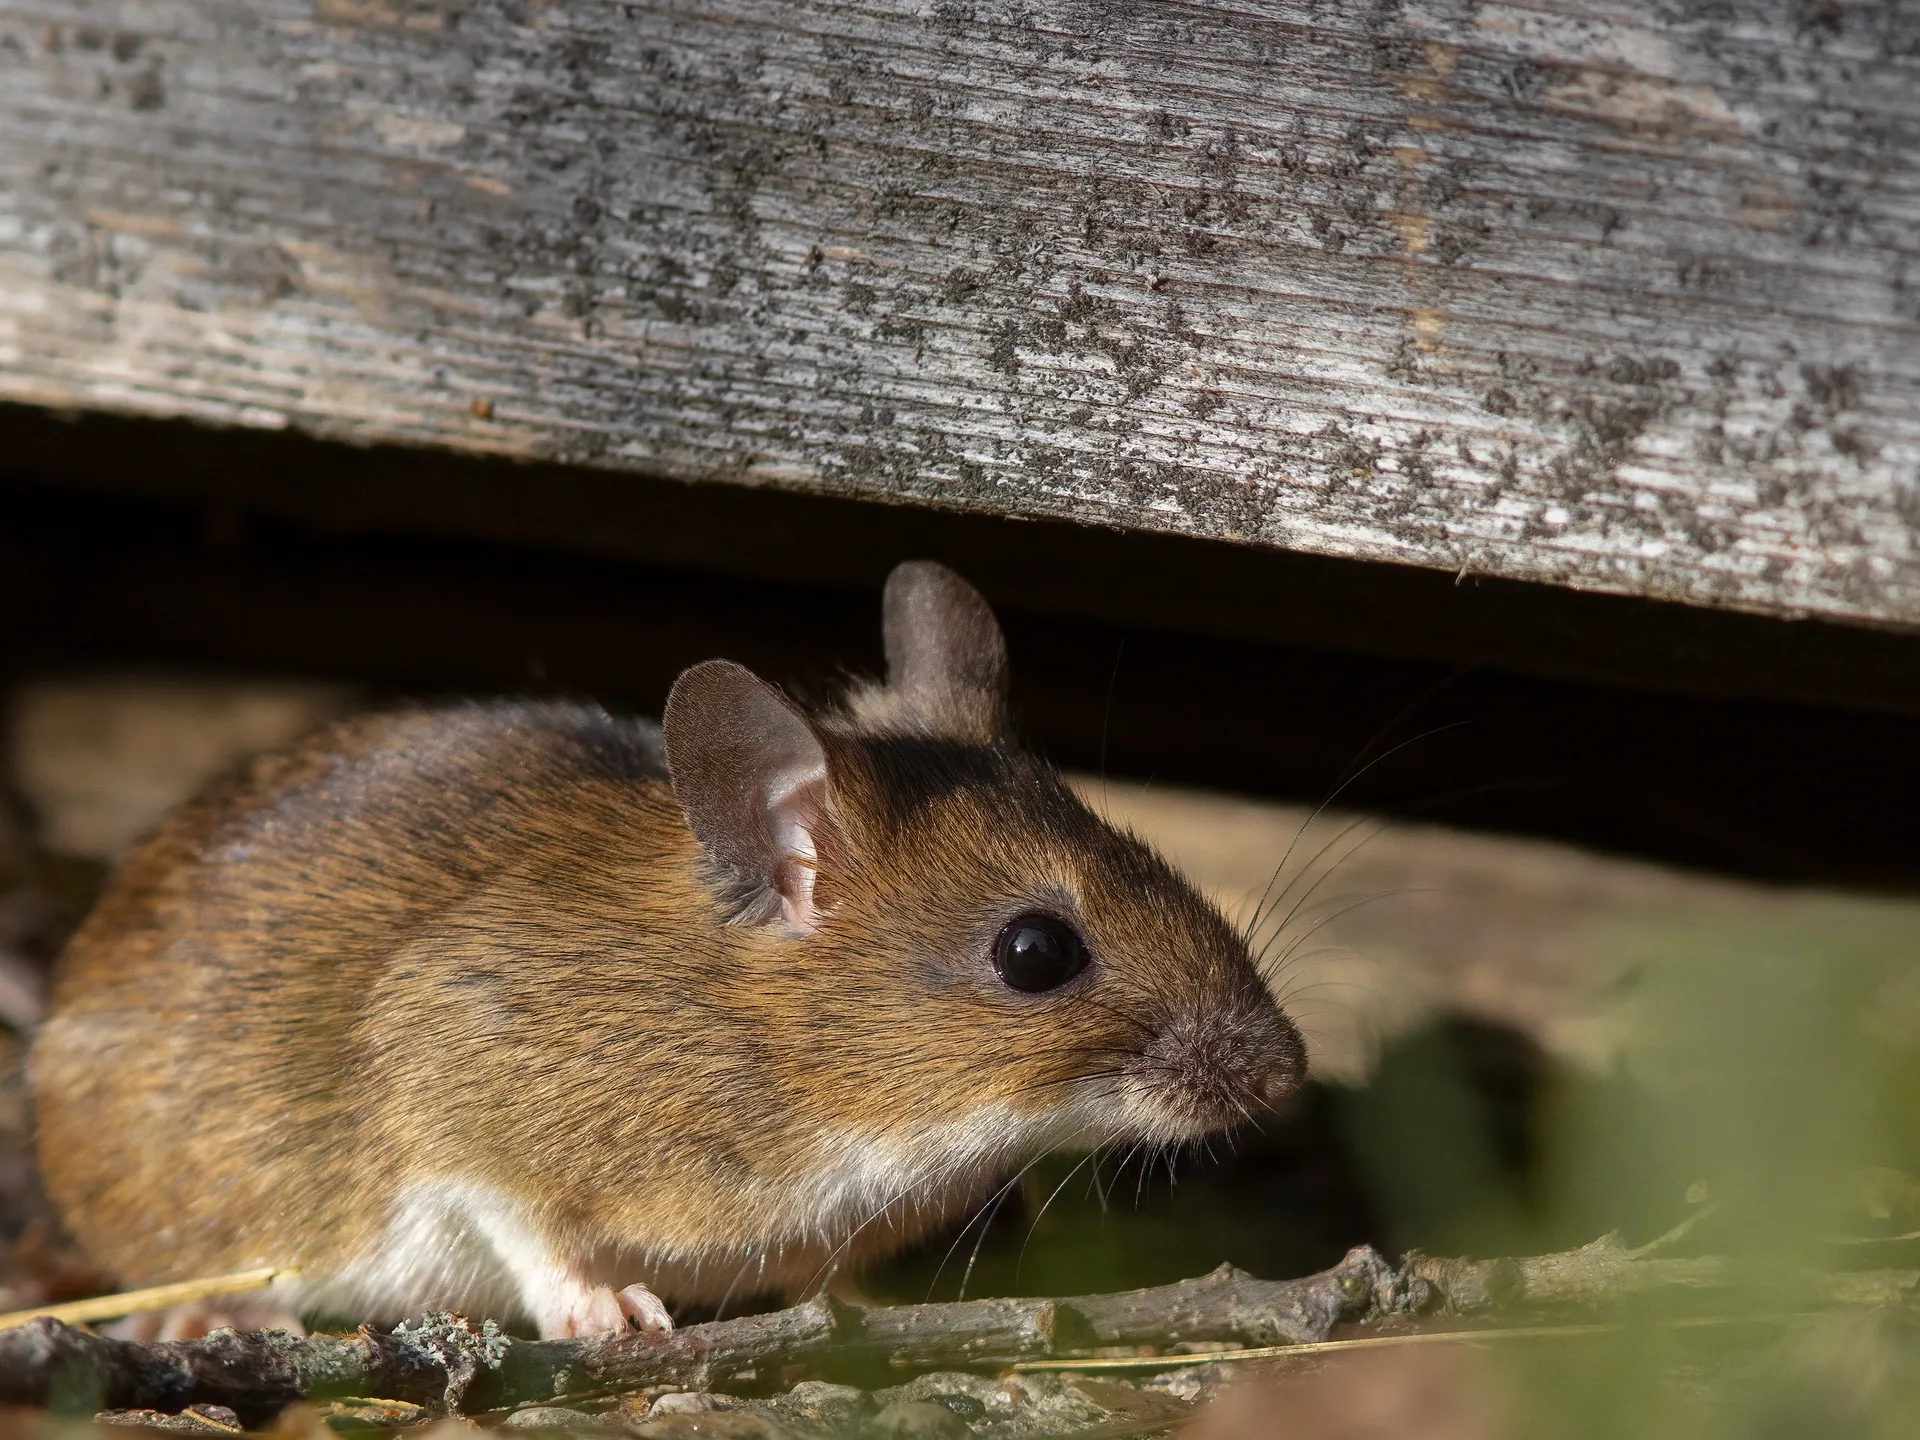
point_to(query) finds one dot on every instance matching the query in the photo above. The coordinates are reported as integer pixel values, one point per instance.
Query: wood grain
(1623, 295)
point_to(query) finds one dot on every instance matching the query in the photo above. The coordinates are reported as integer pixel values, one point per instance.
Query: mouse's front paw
(601, 1308)
(644, 1308)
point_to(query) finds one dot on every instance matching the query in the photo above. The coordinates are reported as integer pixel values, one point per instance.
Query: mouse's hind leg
(559, 1297)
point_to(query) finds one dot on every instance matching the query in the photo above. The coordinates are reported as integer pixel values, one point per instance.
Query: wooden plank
(1624, 295)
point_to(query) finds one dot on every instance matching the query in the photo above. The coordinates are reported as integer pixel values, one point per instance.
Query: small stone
(693, 1402)
(837, 1407)
(548, 1417)
(965, 1406)
(943, 1384)
(1130, 1402)
(1194, 1384)
(1035, 1404)
(196, 1420)
(364, 1413)
(636, 1404)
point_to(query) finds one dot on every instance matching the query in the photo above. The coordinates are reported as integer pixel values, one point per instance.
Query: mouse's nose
(1282, 1067)
(1281, 1080)
(1214, 1067)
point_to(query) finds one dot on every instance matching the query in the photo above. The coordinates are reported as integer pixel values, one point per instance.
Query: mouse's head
(961, 953)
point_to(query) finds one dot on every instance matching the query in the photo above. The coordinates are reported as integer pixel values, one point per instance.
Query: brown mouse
(524, 1009)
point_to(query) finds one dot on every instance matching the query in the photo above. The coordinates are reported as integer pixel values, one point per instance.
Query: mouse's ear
(946, 658)
(752, 778)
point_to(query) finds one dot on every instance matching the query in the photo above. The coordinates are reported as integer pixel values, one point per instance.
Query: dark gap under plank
(266, 553)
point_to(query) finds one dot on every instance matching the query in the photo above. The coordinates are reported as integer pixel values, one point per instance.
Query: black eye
(1038, 952)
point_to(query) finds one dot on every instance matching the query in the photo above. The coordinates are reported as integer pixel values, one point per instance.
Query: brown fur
(482, 943)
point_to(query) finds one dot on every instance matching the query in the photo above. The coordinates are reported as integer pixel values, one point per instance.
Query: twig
(112, 1307)
(1678, 1233)
(447, 1364)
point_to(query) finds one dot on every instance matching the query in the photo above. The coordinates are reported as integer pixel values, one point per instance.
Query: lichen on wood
(1626, 299)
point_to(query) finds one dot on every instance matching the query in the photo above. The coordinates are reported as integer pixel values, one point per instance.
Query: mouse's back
(208, 1019)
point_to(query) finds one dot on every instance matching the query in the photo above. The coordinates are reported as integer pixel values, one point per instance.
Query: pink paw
(646, 1309)
(600, 1309)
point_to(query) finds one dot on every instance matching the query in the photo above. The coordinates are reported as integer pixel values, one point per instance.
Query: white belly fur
(453, 1244)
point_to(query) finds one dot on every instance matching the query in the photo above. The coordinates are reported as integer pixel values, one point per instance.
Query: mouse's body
(515, 1009)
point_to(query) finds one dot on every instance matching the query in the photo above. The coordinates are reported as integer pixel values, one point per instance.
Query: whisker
(973, 1256)
(1318, 856)
(1296, 991)
(1132, 1021)
(1341, 789)
(1094, 1187)
(1385, 824)
(1035, 1225)
(987, 1208)
(1319, 925)
(994, 1201)
(1285, 983)
(1075, 1079)
(1321, 915)
(1332, 947)
(1327, 874)
(1120, 1170)
(1146, 1168)
(833, 1256)
(721, 1312)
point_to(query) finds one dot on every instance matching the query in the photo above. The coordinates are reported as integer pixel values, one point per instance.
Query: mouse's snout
(1281, 1068)
(1209, 1069)
(1277, 1059)
(1285, 1070)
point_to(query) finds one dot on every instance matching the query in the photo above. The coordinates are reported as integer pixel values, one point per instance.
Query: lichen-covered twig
(432, 1364)
(447, 1363)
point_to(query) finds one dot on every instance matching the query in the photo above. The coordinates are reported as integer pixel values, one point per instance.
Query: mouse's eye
(1037, 951)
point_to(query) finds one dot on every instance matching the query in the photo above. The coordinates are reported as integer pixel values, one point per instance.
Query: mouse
(523, 1009)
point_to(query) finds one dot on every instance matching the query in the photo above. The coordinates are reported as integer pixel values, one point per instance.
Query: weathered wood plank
(1619, 295)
